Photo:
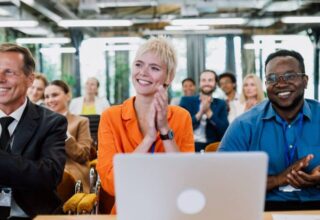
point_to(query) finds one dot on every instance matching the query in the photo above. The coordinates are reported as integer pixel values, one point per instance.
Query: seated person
(285, 127)
(251, 94)
(78, 143)
(32, 142)
(228, 84)
(145, 123)
(90, 103)
(209, 115)
(189, 89)
(36, 91)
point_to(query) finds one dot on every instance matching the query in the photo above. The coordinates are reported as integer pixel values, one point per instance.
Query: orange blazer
(119, 133)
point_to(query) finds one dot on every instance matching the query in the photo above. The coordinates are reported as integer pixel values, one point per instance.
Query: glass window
(238, 59)
(216, 54)
(51, 62)
(266, 44)
(98, 58)
(180, 45)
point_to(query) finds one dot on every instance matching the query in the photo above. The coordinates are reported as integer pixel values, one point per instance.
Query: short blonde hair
(257, 82)
(164, 49)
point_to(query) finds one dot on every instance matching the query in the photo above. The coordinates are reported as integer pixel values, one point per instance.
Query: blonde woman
(145, 123)
(90, 103)
(251, 94)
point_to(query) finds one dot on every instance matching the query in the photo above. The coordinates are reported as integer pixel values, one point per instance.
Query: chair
(94, 124)
(66, 187)
(106, 202)
(213, 147)
(84, 203)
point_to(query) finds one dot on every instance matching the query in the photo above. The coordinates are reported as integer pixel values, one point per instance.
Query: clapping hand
(300, 179)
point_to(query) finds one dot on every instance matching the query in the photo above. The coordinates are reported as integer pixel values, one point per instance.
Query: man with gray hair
(32, 142)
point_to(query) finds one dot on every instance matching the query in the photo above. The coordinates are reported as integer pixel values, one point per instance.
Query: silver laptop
(210, 186)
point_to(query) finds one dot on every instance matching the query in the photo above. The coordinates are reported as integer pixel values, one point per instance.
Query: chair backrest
(65, 188)
(94, 124)
(212, 147)
(106, 202)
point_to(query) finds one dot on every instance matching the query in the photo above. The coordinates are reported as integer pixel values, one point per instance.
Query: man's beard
(208, 92)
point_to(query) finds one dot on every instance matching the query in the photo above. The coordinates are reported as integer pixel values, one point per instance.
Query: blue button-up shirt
(261, 129)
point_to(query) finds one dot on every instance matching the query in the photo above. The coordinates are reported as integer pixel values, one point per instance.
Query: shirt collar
(270, 112)
(17, 114)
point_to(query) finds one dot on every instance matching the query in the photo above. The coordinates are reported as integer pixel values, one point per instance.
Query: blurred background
(76, 39)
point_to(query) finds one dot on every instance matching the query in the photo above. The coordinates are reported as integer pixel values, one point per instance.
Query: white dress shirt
(16, 211)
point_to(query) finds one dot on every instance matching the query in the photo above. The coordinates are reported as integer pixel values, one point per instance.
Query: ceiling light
(18, 23)
(35, 40)
(261, 22)
(210, 21)
(4, 12)
(212, 32)
(57, 50)
(115, 40)
(300, 19)
(121, 47)
(187, 27)
(95, 23)
(114, 4)
(281, 6)
(36, 31)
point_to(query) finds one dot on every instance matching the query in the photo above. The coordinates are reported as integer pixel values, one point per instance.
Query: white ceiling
(263, 15)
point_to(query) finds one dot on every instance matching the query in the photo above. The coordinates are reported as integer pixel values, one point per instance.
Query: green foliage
(69, 79)
(121, 86)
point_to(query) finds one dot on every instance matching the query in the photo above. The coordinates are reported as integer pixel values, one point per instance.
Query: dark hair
(61, 84)
(29, 64)
(229, 75)
(188, 79)
(284, 53)
(214, 73)
(41, 77)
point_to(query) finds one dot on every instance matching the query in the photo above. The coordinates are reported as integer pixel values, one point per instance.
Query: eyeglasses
(273, 78)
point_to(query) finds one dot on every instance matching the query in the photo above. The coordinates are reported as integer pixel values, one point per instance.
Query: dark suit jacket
(217, 124)
(35, 165)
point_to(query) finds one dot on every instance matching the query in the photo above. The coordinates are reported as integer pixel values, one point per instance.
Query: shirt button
(289, 126)
(290, 146)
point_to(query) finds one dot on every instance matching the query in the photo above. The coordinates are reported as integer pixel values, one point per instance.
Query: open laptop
(215, 186)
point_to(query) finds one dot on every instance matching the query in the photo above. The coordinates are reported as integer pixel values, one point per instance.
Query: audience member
(145, 123)
(252, 92)
(32, 142)
(78, 143)
(90, 103)
(188, 88)
(36, 91)
(209, 115)
(228, 84)
(285, 127)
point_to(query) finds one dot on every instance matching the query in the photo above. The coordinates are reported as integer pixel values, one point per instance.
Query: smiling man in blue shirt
(287, 128)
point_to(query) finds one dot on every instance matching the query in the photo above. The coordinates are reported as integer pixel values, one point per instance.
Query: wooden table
(76, 217)
(267, 216)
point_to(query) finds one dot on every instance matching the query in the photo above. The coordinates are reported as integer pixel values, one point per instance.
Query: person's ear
(168, 80)
(305, 81)
(30, 79)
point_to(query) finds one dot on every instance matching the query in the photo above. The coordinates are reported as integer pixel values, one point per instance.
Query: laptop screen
(223, 186)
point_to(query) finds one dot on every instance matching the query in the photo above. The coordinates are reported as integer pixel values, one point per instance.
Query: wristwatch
(168, 136)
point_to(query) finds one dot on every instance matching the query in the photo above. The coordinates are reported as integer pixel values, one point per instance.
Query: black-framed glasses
(273, 78)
